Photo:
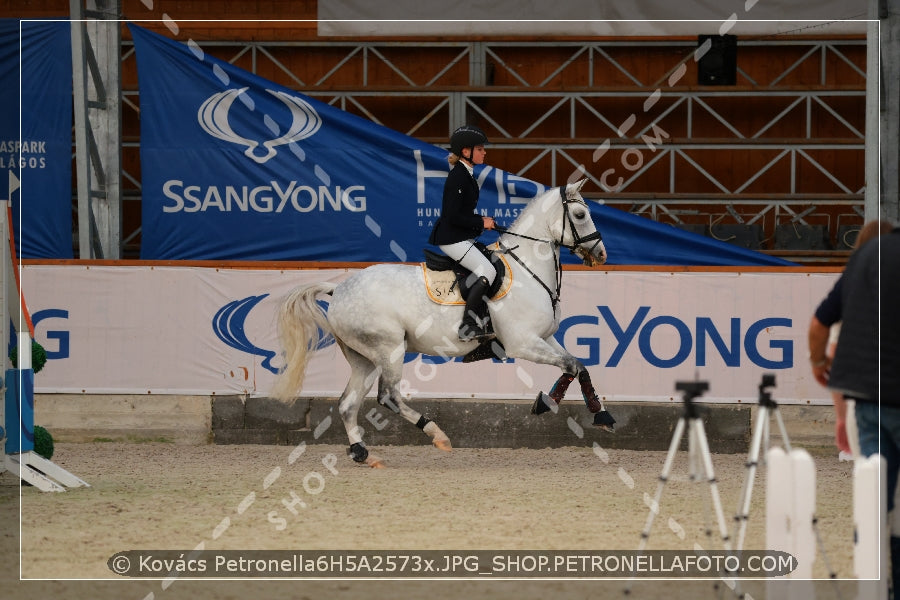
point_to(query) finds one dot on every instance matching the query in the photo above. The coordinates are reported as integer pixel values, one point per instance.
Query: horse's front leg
(549, 351)
(545, 402)
(602, 418)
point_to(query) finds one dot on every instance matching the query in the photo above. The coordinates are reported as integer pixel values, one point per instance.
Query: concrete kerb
(470, 423)
(125, 418)
(510, 424)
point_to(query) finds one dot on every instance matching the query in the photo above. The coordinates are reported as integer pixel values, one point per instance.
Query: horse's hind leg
(362, 375)
(438, 437)
(389, 396)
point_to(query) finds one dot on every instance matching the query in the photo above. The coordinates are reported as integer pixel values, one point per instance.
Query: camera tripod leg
(695, 467)
(784, 435)
(699, 465)
(663, 478)
(743, 513)
(713, 485)
(696, 470)
(760, 432)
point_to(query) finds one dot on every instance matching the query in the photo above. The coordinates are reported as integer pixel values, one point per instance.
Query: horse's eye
(579, 214)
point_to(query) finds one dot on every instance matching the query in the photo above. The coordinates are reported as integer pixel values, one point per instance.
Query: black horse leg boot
(475, 319)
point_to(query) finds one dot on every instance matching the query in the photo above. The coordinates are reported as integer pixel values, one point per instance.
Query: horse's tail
(301, 324)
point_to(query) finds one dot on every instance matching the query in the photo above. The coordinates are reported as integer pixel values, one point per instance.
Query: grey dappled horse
(382, 312)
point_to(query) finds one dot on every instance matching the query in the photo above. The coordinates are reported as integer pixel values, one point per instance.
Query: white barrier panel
(803, 481)
(790, 510)
(871, 550)
(778, 513)
(187, 330)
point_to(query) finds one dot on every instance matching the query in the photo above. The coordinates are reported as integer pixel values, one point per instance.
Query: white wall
(149, 330)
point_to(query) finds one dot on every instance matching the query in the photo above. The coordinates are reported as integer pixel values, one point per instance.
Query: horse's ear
(575, 187)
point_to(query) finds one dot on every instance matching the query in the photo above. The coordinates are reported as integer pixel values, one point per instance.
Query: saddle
(445, 279)
(445, 283)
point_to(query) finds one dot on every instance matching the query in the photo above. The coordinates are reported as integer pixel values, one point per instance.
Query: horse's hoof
(438, 437)
(375, 462)
(358, 452)
(443, 445)
(604, 421)
(543, 403)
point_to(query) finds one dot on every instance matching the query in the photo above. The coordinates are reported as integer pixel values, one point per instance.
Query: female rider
(455, 231)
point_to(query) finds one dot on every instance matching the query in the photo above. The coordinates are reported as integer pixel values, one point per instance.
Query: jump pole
(17, 385)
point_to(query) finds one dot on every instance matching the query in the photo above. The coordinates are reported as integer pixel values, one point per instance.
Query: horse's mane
(536, 212)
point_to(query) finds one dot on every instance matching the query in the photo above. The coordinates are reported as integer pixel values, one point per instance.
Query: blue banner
(236, 167)
(36, 163)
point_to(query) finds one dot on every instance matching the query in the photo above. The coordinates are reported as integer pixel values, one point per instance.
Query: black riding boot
(476, 317)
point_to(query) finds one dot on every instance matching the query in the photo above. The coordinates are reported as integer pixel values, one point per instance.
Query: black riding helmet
(467, 136)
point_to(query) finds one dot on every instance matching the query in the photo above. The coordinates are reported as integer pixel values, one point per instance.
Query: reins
(554, 297)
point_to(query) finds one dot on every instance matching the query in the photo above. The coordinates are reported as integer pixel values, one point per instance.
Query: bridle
(577, 240)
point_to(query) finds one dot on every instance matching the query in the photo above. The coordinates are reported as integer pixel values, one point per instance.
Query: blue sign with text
(36, 134)
(237, 167)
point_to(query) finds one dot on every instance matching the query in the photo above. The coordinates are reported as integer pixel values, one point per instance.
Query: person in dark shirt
(458, 226)
(866, 363)
(845, 409)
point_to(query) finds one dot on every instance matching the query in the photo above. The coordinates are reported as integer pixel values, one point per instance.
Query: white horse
(384, 311)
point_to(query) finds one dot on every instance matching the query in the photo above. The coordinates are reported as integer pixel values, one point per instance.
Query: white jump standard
(17, 385)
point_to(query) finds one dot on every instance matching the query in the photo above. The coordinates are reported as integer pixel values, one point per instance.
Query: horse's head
(561, 217)
(579, 233)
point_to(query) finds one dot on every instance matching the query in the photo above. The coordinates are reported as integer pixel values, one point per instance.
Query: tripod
(767, 406)
(698, 456)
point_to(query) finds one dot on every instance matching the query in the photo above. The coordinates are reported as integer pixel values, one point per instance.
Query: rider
(455, 231)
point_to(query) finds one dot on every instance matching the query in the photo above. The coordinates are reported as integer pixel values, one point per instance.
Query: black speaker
(718, 66)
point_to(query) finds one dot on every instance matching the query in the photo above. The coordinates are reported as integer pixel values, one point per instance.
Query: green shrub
(38, 356)
(43, 442)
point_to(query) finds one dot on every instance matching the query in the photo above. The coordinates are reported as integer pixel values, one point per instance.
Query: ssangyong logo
(213, 117)
(230, 322)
